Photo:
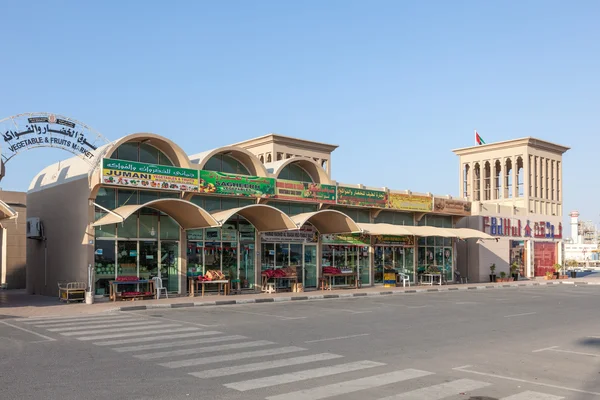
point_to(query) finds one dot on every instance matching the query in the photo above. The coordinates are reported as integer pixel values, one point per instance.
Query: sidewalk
(16, 303)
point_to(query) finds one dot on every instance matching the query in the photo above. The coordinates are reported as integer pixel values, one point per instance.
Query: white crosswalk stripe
(181, 343)
(231, 357)
(80, 318)
(154, 338)
(128, 334)
(52, 324)
(529, 395)
(113, 325)
(201, 350)
(443, 390)
(84, 331)
(336, 389)
(260, 366)
(301, 375)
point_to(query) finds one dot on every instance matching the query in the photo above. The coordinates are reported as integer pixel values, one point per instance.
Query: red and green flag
(478, 139)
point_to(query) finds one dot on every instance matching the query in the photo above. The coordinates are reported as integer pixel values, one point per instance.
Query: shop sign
(497, 226)
(409, 202)
(305, 191)
(452, 206)
(149, 176)
(32, 130)
(212, 182)
(304, 235)
(395, 240)
(351, 239)
(361, 197)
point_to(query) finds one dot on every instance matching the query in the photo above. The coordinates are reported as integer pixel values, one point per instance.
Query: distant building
(583, 242)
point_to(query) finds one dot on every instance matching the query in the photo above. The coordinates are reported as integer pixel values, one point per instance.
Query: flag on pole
(478, 139)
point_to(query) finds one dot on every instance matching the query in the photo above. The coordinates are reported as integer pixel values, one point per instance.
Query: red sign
(497, 226)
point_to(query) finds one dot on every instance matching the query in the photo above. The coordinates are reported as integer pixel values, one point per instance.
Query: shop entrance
(394, 258)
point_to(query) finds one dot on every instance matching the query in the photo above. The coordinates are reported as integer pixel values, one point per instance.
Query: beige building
(516, 192)
(13, 217)
(141, 207)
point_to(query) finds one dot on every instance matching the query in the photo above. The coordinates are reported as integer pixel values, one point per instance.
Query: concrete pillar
(538, 165)
(515, 177)
(481, 180)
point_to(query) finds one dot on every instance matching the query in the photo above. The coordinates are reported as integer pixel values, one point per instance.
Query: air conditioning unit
(34, 228)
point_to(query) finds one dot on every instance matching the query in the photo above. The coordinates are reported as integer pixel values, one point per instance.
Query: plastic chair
(159, 287)
(405, 278)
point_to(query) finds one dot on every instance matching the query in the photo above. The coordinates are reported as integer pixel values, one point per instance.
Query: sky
(396, 84)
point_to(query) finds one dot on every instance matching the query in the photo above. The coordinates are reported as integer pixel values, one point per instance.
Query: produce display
(331, 270)
(212, 275)
(135, 294)
(127, 278)
(280, 272)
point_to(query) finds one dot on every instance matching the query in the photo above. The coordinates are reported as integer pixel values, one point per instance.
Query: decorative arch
(312, 168)
(328, 222)
(476, 182)
(167, 146)
(487, 177)
(519, 176)
(265, 218)
(249, 160)
(187, 214)
(497, 180)
(508, 179)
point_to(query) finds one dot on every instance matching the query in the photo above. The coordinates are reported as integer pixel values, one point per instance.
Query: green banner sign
(361, 197)
(149, 176)
(236, 185)
(305, 191)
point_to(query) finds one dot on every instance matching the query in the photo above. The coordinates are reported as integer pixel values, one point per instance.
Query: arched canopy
(7, 212)
(187, 214)
(328, 222)
(168, 147)
(250, 161)
(264, 218)
(316, 172)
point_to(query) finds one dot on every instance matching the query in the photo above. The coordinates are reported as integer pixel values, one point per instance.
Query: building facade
(582, 245)
(13, 216)
(145, 208)
(516, 192)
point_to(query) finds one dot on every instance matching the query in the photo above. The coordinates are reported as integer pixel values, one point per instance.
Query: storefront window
(517, 255)
(293, 172)
(169, 229)
(128, 229)
(435, 255)
(148, 223)
(127, 258)
(104, 259)
(227, 164)
(142, 152)
(195, 257)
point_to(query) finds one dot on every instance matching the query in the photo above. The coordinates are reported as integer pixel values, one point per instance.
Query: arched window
(293, 172)
(269, 159)
(226, 163)
(262, 158)
(141, 152)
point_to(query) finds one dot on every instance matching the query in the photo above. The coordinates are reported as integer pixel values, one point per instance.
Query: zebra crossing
(262, 369)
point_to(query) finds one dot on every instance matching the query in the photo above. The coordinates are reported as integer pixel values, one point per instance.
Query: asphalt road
(511, 344)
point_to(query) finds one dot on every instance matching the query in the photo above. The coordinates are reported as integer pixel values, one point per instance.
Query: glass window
(212, 204)
(198, 200)
(104, 259)
(296, 209)
(146, 196)
(127, 151)
(126, 259)
(105, 230)
(268, 256)
(127, 197)
(228, 204)
(169, 229)
(148, 154)
(227, 164)
(129, 228)
(293, 172)
(282, 255)
(395, 218)
(148, 223)
(106, 198)
(246, 202)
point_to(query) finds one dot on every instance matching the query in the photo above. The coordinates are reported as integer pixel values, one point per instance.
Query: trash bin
(573, 273)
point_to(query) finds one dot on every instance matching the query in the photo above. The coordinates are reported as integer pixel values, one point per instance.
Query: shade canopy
(264, 218)
(468, 233)
(385, 229)
(423, 231)
(327, 222)
(7, 212)
(187, 214)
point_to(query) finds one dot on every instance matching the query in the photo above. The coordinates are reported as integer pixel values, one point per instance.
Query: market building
(13, 214)
(515, 188)
(140, 206)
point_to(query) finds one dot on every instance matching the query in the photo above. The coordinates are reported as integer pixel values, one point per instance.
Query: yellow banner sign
(409, 202)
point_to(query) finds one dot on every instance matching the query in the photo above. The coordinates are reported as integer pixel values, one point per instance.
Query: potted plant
(493, 272)
(557, 268)
(514, 271)
(549, 275)
(572, 264)
(503, 276)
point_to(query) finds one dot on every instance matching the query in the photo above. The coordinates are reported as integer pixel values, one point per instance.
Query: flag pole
(475, 132)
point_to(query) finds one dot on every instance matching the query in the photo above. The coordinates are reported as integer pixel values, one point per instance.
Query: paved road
(510, 344)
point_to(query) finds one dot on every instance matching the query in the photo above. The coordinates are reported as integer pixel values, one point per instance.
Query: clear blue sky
(397, 84)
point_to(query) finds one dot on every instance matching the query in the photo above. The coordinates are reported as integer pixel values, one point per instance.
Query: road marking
(353, 311)
(544, 349)
(520, 315)
(440, 391)
(337, 338)
(48, 338)
(141, 329)
(529, 395)
(127, 334)
(66, 319)
(574, 352)
(231, 357)
(79, 321)
(266, 315)
(336, 389)
(466, 302)
(464, 369)
(200, 350)
(426, 305)
(261, 366)
(179, 343)
(122, 325)
(195, 333)
(175, 320)
(282, 379)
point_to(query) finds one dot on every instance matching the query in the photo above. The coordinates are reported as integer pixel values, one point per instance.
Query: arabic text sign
(409, 202)
(236, 185)
(361, 197)
(150, 176)
(49, 130)
(305, 191)
(452, 206)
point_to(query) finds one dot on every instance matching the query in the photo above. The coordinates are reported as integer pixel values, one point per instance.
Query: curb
(343, 295)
